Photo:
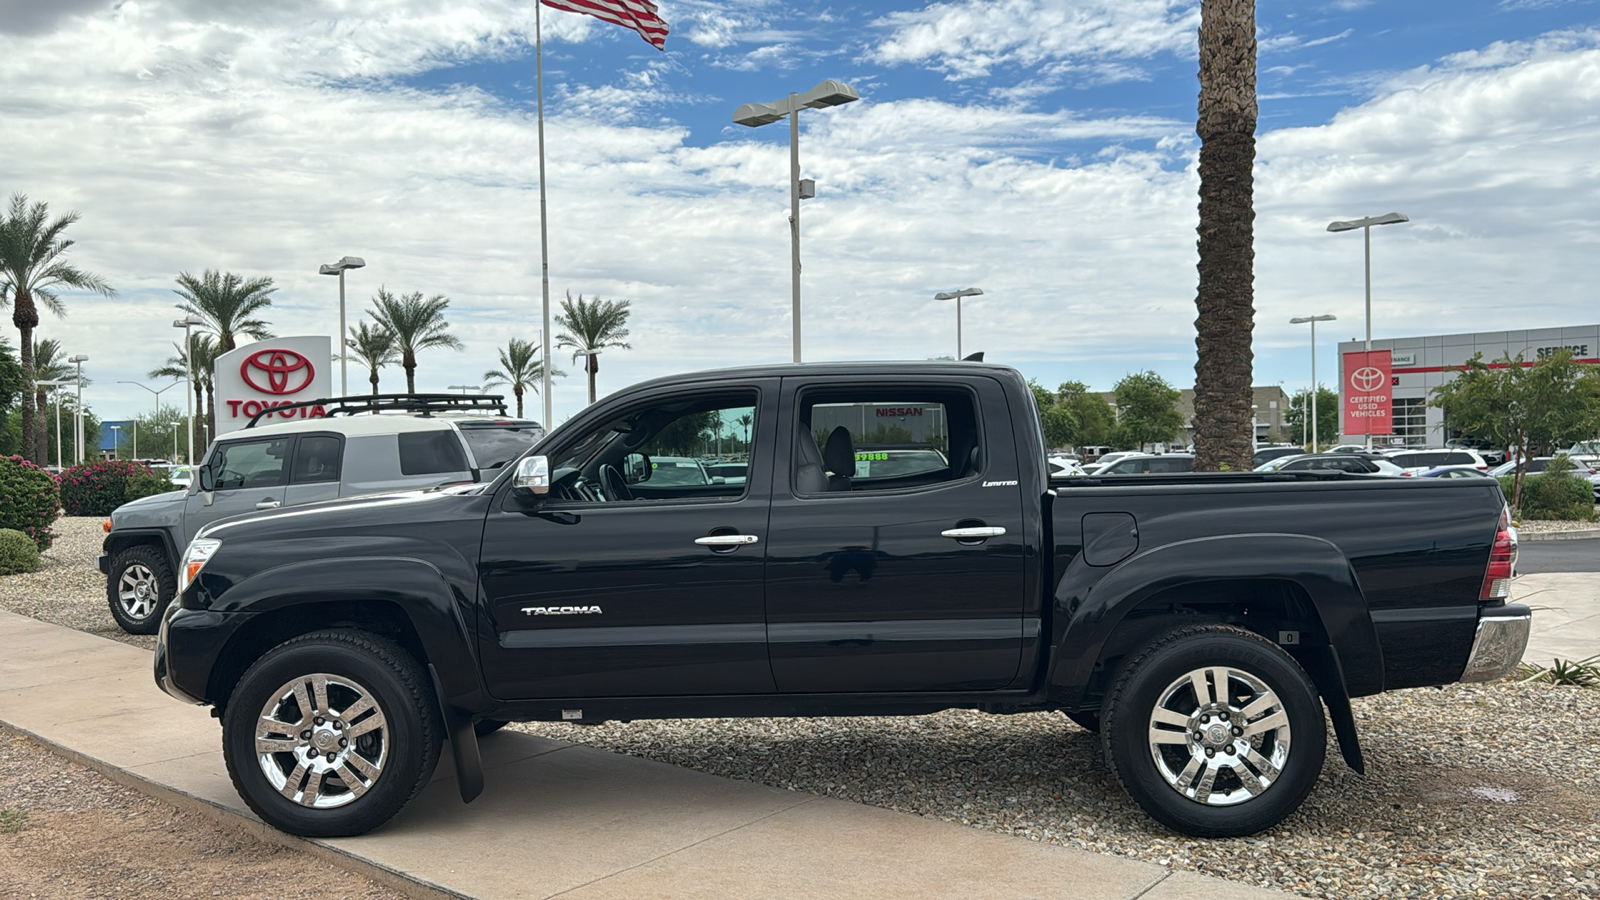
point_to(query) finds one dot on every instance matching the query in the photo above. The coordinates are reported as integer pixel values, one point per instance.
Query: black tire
(388, 764)
(1229, 783)
(487, 726)
(140, 587)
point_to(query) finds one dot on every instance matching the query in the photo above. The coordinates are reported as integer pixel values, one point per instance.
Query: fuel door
(1109, 538)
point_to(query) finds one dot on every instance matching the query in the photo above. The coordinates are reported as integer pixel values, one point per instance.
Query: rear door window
(431, 453)
(1459, 459)
(316, 458)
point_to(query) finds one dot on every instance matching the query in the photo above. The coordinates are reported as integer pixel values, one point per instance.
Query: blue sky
(1043, 151)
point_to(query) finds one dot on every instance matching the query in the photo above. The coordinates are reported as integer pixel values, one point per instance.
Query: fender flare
(423, 595)
(1089, 607)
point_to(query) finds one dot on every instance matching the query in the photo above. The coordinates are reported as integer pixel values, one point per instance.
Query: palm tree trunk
(199, 417)
(211, 411)
(408, 361)
(1226, 126)
(591, 364)
(25, 316)
(374, 379)
(516, 391)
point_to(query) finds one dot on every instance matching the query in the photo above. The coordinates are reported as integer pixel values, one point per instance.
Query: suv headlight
(195, 558)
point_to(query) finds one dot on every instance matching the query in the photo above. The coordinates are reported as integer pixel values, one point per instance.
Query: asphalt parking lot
(1539, 557)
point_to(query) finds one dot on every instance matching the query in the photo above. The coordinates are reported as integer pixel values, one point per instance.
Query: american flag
(639, 15)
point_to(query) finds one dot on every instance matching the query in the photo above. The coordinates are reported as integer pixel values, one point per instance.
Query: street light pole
(188, 380)
(1365, 225)
(77, 418)
(348, 262)
(956, 296)
(754, 115)
(116, 441)
(1313, 320)
(158, 409)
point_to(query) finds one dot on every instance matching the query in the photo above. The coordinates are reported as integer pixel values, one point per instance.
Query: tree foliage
(1327, 416)
(416, 324)
(1531, 409)
(375, 347)
(1147, 410)
(592, 326)
(228, 303)
(1074, 416)
(32, 269)
(520, 369)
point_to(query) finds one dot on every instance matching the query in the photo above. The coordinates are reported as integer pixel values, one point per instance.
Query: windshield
(495, 445)
(666, 471)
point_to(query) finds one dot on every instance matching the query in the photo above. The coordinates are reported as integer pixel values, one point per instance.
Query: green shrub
(96, 488)
(1555, 493)
(29, 500)
(17, 553)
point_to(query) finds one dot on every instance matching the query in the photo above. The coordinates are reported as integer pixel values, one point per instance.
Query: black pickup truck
(1198, 622)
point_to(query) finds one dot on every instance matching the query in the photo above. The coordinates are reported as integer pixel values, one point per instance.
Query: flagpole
(544, 231)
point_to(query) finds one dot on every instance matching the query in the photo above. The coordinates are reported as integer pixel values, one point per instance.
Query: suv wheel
(331, 733)
(140, 587)
(1215, 731)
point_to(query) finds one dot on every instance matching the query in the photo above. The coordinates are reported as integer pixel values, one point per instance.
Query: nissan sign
(272, 373)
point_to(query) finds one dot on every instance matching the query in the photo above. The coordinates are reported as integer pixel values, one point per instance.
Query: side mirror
(533, 476)
(208, 480)
(637, 467)
(718, 479)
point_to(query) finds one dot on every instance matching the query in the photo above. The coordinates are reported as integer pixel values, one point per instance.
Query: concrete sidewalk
(1566, 615)
(557, 818)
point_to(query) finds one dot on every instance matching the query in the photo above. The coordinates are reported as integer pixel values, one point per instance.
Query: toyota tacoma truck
(1207, 626)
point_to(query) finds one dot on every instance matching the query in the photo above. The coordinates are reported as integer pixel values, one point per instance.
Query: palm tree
(591, 327)
(416, 324)
(519, 369)
(374, 346)
(49, 364)
(227, 303)
(1227, 127)
(204, 385)
(31, 271)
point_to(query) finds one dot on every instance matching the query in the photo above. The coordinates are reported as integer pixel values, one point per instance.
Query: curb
(1559, 535)
(243, 823)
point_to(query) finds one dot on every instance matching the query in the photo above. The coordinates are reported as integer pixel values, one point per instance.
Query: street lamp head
(1301, 320)
(190, 322)
(1393, 218)
(80, 358)
(348, 262)
(956, 295)
(828, 93)
(756, 114)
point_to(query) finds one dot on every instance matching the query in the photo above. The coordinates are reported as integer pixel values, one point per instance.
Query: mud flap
(1323, 665)
(463, 744)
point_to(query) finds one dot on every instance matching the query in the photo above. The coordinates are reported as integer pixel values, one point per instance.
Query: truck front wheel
(1215, 731)
(139, 588)
(331, 733)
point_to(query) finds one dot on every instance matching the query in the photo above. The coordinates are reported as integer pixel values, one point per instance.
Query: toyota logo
(284, 371)
(1366, 379)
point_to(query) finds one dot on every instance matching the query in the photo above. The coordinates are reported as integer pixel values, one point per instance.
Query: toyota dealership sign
(277, 372)
(1368, 398)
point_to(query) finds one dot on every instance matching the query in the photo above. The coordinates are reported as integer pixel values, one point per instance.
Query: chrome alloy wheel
(322, 741)
(138, 591)
(1219, 736)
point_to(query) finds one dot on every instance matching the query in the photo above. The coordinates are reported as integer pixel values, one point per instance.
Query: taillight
(1502, 560)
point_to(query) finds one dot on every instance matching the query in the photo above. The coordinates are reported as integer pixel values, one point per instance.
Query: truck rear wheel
(331, 733)
(139, 588)
(1215, 731)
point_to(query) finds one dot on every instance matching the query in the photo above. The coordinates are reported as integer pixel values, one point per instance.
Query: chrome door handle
(726, 540)
(268, 503)
(981, 531)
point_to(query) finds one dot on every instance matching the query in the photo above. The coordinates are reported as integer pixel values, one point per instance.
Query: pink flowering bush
(29, 500)
(96, 488)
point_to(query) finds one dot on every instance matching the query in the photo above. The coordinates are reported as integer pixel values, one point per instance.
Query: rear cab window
(857, 439)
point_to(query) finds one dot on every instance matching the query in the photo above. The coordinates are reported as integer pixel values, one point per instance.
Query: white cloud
(971, 38)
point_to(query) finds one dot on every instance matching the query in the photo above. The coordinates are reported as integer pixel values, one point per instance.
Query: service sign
(1368, 395)
(277, 372)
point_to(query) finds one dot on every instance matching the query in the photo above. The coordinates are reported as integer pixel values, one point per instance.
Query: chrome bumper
(162, 680)
(1502, 638)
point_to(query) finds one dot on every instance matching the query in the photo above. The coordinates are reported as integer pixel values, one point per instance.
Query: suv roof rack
(375, 403)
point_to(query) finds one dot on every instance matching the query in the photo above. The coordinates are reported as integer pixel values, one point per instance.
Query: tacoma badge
(561, 610)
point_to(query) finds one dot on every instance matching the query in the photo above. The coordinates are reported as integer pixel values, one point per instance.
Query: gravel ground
(1471, 791)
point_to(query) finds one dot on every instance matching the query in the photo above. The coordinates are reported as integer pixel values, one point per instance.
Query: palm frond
(228, 303)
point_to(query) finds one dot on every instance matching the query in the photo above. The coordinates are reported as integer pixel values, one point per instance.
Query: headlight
(194, 559)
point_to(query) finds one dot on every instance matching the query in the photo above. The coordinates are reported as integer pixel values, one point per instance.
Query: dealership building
(1417, 365)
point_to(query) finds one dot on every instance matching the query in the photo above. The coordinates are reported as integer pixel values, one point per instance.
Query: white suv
(407, 441)
(1415, 462)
